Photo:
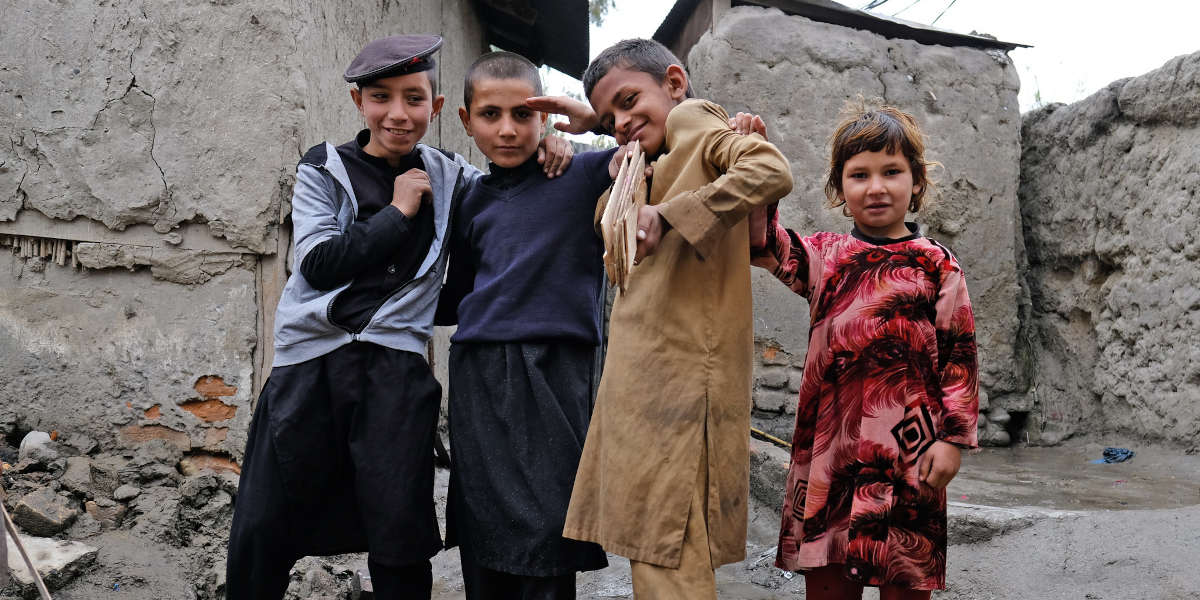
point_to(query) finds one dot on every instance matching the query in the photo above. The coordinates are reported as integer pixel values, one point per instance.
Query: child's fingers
(541, 155)
(550, 104)
(924, 466)
(759, 126)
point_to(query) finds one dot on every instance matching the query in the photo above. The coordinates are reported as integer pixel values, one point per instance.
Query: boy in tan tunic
(664, 475)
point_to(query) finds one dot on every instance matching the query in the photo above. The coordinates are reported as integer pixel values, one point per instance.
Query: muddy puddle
(1063, 478)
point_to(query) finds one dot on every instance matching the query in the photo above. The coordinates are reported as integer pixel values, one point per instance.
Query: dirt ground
(1027, 523)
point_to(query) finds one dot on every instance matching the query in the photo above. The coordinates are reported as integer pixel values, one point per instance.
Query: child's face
(504, 129)
(398, 111)
(877, 187)
(633, 106)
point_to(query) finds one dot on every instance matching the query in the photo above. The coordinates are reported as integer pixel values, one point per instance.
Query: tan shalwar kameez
(675, 394)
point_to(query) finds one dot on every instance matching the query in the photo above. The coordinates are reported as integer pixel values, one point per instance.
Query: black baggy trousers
(339, 459)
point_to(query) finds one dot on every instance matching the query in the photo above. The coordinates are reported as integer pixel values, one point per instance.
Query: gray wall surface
(146, 167)
(1109, 202)
(797, 74)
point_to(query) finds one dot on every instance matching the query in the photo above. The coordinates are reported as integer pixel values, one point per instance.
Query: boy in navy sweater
(525, 286)
(340, 452)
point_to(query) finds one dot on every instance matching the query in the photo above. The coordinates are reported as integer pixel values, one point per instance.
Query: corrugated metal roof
(828, 11)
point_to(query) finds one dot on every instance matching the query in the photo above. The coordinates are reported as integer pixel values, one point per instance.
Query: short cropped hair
(647, 56)
(431, 73)
(500, 65)
(872, 126)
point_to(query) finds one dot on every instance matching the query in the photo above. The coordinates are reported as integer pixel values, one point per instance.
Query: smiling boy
(663, 479)
(525, 289)
(340, 451)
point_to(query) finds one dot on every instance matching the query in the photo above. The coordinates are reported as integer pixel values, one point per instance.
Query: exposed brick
(139, 434)
(106, 512)
(210, 410)
(203, 461)
(214, 437)
(212, 387)
(771, 354)
(153, 412)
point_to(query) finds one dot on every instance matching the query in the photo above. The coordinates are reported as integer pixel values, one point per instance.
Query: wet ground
(1063, 478)
(1063, 528)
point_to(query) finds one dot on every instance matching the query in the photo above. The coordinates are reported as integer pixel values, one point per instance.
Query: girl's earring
(846, 210)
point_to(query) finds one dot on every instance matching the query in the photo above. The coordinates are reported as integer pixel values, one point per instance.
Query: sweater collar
(913, 228)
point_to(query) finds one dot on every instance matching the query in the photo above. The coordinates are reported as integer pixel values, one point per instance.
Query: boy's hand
(554, 154)
(746, 123)
(651, 227)
(581, 117)
(411, 189)
(614, 165)
(940, 464)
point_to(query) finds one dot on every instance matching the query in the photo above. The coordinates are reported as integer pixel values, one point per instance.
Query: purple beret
(395, 55)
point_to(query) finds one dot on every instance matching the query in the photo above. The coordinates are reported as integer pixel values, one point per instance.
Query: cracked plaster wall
(161, 140)
(1109, 203)
(797, 73)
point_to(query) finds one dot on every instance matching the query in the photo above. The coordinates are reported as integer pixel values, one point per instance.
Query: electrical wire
(915, 2)
(943, 11)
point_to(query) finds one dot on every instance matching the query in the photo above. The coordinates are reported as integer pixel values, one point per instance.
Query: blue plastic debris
(1114, 455)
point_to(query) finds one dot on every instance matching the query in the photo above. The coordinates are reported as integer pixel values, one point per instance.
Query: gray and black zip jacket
(323, 206)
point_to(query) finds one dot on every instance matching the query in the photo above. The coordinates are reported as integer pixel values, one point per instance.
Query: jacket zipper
(454, 198)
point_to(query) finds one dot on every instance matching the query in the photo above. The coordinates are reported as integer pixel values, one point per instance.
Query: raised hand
(581, 117)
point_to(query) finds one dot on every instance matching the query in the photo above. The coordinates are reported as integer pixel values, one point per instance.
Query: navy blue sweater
(525, 259)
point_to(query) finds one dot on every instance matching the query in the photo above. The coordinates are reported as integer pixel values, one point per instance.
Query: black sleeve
(460, 276)
(338, 260)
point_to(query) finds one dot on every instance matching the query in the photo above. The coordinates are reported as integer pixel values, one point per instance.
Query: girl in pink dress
(890, 390)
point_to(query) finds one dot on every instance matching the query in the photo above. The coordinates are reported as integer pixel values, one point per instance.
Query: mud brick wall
(797, 73)
(147, 153)
(1109, 190)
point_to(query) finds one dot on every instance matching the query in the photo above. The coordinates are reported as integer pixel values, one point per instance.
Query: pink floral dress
(891, 368)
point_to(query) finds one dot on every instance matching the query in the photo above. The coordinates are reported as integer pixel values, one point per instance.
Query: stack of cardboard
(619, 222)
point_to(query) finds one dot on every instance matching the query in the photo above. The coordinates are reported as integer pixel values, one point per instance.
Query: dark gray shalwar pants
(339, 459)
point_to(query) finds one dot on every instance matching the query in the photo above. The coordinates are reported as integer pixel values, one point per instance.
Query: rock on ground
(44, 512)
(57, 561)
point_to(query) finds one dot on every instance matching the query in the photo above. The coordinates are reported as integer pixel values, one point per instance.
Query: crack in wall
(163, 202)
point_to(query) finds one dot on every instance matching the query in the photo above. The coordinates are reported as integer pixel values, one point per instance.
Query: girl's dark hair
(872, 126)
(647, 56)
(500, 65)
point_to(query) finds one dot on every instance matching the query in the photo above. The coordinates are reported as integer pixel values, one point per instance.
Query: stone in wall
(1109, 203)
(797, 73)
